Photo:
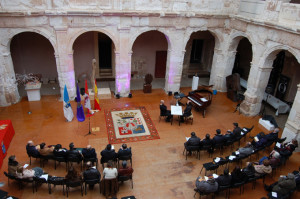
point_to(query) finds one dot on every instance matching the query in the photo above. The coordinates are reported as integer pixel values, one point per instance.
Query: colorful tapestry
(129, 125)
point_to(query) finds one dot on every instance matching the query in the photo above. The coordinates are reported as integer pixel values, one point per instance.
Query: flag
(87, 101)
(68, 112)
(80, 113)
(96, 100)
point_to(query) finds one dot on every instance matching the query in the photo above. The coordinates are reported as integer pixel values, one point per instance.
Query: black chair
(192, 149)
(126, 178)
(129, 157)
(246, 131)
(239, 185)
(9, 177)
(25, 180)
(114, 160)
(92, 182)
(203, 193)
(56, 181)
(44, 159)
(221, 162)
(33, 156)
(207, 148)
(92, 160)
(72, 159)
(39, 182)
(75, 184)
(219, 147)
(60, 159)
(225, 188)
(210, 166)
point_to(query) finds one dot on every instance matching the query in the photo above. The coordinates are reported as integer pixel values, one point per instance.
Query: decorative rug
(129, 124)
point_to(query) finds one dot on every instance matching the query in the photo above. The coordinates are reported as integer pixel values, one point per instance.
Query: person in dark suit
(236, 130)
(207, 143)
(59, 151)
(219, 138)
(108, 154)
(164, 111)
(73, 153)
(273, 136)
(31, 149)
(91, 173)
(89, 152)
(187, 111)
(193, 141)
(224, 179)
(238, 176)
(124, 151)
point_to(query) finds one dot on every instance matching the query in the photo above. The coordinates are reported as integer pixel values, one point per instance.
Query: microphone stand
(89, 133)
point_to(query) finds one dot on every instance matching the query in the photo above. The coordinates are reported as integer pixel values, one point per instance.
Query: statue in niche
(93, 73)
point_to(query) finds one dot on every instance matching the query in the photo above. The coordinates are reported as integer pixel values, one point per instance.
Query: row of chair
(211, 148)
(54, 181)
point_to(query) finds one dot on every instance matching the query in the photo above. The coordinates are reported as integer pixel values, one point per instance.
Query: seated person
(59, 151)
(297, 177)
(219, 138)
(124, 151)
(274, 158)
(108, 154)
(73, 175)
(125, 170)
(229, 137)
(245, 151)
(259, 140)
(31, 149)
(264, 168)
(249, 170)
(164, 111)
(284, 185)
(89, 152)
(91, 173)
(187, 111)
(207, 142)
(288, 148)
(224, 179)
(236, 131)
(238, 176)
(273, 136)
(13, 165)
(73, 153)
(46, 151)
(29, 173)
(193, 141)
(207, 186)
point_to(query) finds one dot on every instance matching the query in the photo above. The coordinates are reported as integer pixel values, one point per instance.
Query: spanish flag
(96, 100)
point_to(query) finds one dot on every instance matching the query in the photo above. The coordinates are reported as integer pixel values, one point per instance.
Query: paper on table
(45, 176)
(242, 133)
(217, 159)
(112, 147)
(205, 177)
(187, 138)
(215, 175)
(25, 166)
(204, 99)
(244, 129)
(274, 194)
(278, 144)
(231, 157)
(237, 152)
(256, 139)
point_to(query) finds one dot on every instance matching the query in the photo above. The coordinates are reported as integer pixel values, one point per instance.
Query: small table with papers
(176, 110)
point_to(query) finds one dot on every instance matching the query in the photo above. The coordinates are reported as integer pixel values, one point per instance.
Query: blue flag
(68, 112)
(80, 113)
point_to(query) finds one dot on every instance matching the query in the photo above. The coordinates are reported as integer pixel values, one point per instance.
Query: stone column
(292, 126)
(9, 93)
(175, 62)
(65, 64)
(123, 64)
(256, 86)
(222, 66)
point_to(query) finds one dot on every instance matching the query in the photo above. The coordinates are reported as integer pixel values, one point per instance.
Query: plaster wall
(144, 52)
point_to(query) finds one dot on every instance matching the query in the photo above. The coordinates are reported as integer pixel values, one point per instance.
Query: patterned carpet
(129, 124)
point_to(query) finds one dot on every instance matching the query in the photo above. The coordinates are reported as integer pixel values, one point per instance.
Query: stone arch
(216, 35)
(75, 35)
(270, 54)
(235, 39)
(140, 32)
(48, 35)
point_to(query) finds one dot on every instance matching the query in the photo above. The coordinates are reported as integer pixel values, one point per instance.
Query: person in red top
(125, 170)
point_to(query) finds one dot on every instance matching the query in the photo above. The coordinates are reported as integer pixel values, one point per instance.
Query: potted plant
(147, 84)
